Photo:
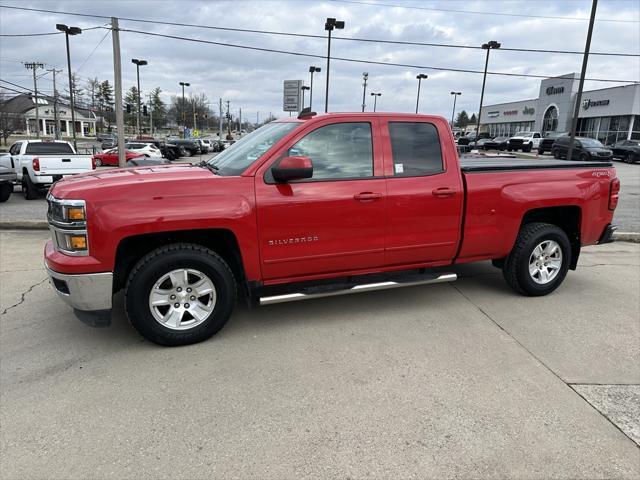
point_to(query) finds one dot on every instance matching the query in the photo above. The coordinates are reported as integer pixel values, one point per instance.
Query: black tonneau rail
(474, 164)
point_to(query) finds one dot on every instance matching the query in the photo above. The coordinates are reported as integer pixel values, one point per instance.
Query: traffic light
(145, 111)
(128, 108)
(195, 115)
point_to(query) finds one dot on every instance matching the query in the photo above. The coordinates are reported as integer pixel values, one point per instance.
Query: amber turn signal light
(75, 213)
(78, 242)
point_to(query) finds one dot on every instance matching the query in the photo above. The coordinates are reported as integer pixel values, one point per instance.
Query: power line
(39, 34)
(93, 51)
(370, 62)
(476, 12)
(305, 35)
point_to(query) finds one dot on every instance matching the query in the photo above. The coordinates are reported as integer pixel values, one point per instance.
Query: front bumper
(90, 294)
(607, 234)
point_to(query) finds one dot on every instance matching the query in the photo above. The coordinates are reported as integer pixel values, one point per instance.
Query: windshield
(590, 142)
(236, 158)
(523, 134)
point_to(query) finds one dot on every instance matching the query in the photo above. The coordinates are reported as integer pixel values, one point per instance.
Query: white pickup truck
(7, 177)
(525, 141)
(39, 163)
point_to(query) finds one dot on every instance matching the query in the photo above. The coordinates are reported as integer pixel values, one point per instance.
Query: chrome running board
(328, 291)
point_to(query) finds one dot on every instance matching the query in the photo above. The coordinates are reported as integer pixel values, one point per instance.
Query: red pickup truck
(313, 206)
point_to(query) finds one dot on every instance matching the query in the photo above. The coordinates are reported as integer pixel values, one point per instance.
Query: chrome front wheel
(182, 299)
(545, 262)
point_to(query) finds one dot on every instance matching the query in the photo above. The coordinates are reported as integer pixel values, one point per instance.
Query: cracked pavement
(445, 381)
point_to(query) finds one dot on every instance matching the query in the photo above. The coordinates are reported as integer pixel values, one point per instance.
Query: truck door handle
(443, 192)
(367, 196)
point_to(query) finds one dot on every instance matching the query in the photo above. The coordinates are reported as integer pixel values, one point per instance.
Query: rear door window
(416, 149)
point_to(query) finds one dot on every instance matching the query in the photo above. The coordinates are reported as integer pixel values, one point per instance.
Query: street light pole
(312, 70)
(329, 25)
(365, 77)
(453, 113)
(488, 47)
(419, 77)
(184, 127)
(304, 88)
(375, 100)
(138, 64)
(71, 31)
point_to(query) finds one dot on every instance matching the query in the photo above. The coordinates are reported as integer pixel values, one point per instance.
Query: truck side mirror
(292, 168)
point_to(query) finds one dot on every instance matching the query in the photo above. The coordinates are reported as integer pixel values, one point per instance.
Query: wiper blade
(213, 168)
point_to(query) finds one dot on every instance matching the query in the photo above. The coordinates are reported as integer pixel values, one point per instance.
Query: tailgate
(64, 164)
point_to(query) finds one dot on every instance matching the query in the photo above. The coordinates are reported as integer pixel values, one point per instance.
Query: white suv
(525, 141)
(149, 150)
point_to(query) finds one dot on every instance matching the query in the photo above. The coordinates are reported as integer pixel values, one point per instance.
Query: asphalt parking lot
(627, 215)
(460, 380)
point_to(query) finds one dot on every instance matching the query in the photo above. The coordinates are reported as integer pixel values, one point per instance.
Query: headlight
(68, 224)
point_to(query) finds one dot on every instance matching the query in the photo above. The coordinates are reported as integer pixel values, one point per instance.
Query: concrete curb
(633, 237)
(23, 225)
(627, 237)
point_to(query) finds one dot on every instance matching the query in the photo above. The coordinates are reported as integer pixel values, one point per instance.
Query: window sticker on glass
(399, 168)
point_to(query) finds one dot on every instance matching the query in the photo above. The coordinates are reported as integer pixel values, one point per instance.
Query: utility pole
(56, 121)
(585, 59)
(257, 118)
(220, 126)
(117, 77)
(34, 66)
(193, 106)
(150, 116)
(229, 136)
(240, 123)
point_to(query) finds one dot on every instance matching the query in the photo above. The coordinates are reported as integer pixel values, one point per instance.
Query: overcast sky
(253, 80)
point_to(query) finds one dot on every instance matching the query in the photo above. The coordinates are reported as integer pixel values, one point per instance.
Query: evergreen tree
(131, 106)
(462, 120)
(158, 108)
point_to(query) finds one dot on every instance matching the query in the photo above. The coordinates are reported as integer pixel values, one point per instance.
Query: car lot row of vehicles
(557, 144)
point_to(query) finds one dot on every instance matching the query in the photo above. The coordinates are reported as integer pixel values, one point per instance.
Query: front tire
(180, 294)
(629, 158)
(98, 162)
(556, 154)
(539, 260)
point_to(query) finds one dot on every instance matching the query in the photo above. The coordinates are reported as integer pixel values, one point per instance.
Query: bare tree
(9, 123)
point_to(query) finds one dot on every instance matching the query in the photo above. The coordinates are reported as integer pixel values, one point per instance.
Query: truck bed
(471, 164)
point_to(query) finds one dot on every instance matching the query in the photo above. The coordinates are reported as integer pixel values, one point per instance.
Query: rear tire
(540, 151)
(556, 154)
(629, 158)
(29, 190)
(210, 314)
(526, 272)
(98, 162)
(583, 157)
(5, 191)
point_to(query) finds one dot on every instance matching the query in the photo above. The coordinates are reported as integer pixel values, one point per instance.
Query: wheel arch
(222, 241)
(568, 218)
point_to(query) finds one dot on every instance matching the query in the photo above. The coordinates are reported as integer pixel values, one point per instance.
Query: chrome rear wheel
(545, 262)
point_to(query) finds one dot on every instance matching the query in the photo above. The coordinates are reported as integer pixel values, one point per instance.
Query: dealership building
(608, 114)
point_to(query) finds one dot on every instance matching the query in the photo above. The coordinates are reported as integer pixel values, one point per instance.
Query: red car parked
(314, 206)
(110, 157)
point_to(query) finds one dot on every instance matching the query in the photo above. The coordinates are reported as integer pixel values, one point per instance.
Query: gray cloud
(253, 80)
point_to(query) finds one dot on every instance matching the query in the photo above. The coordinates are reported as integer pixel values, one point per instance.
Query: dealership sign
(554, 90)
(594, 103)
(493, 114)
(292, 96)
(510, 112)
